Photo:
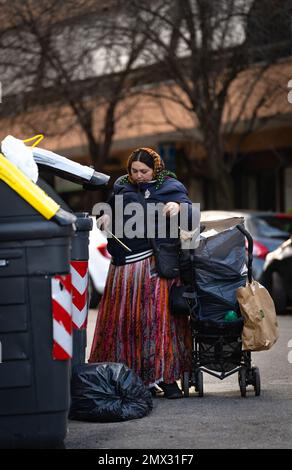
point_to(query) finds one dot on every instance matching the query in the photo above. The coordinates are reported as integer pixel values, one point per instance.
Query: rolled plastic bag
(21, 155)
(106, 392)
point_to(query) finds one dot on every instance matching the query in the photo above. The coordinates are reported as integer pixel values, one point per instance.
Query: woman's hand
(171, 209)
(103, 222)
(187, 234)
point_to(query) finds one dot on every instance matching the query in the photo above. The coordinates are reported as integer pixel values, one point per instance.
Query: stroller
(218, 268)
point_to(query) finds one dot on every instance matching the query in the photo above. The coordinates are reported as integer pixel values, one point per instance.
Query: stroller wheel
(256, 381)
(186, 384)
(242, 381)
(200, 383)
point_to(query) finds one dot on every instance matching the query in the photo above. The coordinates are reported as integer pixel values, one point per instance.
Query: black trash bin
(90, 179)
(34, 369)
(79, 256)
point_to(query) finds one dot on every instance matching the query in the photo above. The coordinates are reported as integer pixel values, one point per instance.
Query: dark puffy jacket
(170, 190)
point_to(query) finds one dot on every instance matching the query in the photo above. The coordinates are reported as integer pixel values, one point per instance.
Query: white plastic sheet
(21, 155)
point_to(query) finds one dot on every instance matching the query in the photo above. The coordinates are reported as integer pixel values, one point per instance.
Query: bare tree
(218, 57)
(67, 65)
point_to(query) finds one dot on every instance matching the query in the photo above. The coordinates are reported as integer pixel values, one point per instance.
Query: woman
(134, 325)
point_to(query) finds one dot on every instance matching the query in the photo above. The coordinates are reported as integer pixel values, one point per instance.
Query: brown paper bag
(260, 330)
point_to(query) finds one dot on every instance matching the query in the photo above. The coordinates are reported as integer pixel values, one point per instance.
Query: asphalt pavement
(222, 419)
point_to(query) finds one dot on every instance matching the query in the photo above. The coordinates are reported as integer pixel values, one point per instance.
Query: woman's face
(141, 172)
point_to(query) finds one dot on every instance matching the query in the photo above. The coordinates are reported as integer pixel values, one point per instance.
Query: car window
(273, 226)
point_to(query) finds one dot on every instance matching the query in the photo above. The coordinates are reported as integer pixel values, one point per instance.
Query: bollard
(79, 277)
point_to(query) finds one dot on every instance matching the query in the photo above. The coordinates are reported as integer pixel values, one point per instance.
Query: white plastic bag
(21, 155)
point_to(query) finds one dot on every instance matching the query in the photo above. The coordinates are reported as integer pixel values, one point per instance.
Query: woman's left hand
(171, 209)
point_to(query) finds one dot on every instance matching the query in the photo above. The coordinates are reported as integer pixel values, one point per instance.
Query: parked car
(272, 252)
(98, 265)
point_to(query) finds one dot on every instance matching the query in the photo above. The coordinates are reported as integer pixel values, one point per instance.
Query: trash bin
(79, 277)
(89, 179)
(79, 256)
(35, 328)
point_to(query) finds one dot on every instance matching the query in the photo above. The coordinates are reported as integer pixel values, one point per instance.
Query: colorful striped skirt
(134, 325)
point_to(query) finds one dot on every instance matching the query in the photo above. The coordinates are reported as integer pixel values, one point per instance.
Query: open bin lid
(13, 180)
(69, 170)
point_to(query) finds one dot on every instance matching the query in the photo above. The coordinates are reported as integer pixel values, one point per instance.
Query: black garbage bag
(218, 269)
(108, 392)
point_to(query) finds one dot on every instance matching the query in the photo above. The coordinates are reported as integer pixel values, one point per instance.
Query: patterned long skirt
(134, 325)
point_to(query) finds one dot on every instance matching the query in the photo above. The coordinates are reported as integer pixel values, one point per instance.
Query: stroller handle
(249, 251)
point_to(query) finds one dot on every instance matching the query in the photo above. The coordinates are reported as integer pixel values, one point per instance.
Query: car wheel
(278, 292)
(93, 296)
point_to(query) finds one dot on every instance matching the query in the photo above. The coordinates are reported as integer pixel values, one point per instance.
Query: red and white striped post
(79, 276)
(62, 317)
(79, 273)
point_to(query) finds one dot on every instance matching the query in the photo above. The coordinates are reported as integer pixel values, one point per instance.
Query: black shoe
(171, 390)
